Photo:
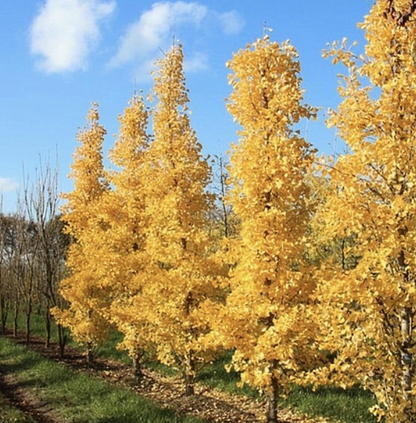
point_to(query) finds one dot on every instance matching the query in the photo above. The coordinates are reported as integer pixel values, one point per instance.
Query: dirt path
(215, 406)
(21, 398)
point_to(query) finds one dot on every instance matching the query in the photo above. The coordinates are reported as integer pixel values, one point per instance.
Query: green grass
(109, 348)
(336, 404)
(216, 376)
(77, 397)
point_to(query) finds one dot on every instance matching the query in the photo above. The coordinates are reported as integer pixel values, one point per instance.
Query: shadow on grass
(11, 361)
(347, 405)
(218, 376)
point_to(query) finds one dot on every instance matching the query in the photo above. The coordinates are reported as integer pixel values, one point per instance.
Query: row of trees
(32, 256)
(310, 276)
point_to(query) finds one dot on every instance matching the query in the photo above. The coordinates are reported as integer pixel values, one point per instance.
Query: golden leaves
(265, 317)
(302, 281)
(370, 210)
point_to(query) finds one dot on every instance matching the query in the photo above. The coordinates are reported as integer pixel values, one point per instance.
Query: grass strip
(77, 397)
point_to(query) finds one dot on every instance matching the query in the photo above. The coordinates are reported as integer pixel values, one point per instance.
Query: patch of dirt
(211, 404)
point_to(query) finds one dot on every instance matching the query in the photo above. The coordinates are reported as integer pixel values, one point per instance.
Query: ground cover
(218, 398)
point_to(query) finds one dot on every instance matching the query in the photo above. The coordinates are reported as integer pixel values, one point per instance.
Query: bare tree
(225, 222)
(5, 289)
(43, 203)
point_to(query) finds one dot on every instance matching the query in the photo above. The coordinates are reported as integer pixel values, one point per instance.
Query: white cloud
(65, 31)
(154, 28)
(231, 22)
(8, 185)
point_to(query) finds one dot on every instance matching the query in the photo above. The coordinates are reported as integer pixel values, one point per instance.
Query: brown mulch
(208, 403)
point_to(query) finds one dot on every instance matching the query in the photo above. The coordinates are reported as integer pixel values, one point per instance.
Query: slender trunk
(90, 354)
(28, 317)
(4, 313)
(189, 360)
(406, 326)
(61, 340)
(189, 384)
(407, 356)
(15, 318)
(47, 328)
(190, 375)
(137, 365)
(273, 397)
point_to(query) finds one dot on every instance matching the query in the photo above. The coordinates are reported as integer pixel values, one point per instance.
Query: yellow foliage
(367, 299)
(82, 289)
(267, 317)
(182, 275)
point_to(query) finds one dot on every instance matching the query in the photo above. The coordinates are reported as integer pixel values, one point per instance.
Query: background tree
(42, 203)
(22, 263)
(14, 267)
(370, 307)
(266, 319)
(125, 242)
(81, 214)
(6, 247)
(224, 222)
(29, 246)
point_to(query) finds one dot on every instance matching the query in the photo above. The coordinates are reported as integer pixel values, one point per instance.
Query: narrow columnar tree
(125, 255)
(177, 206)
(266, 319)
(370, 306)
(82, 288)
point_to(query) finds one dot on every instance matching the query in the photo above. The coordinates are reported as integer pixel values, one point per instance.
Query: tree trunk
(406, 327)
(4, 313)
(48, 329)
(137, 366)
(273, 398)
(28, 317)
(15, 318)
(189, 376)
(407, 357)
(61, 340)
(189, 384)
(90, 354)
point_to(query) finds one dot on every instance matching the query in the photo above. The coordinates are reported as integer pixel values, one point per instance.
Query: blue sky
(58, 56)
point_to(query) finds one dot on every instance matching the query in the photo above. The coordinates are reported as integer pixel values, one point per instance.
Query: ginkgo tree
(370, 306)
(81, 289)
(124, 210)
(182, 276)
(266, 320)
